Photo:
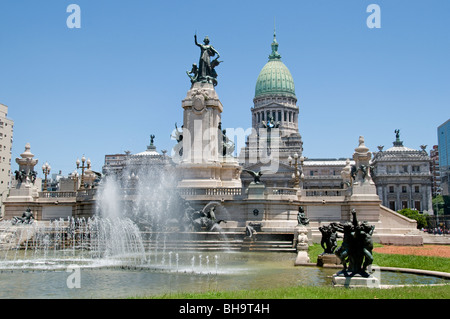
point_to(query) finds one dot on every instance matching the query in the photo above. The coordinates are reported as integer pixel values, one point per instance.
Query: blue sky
(106, 87)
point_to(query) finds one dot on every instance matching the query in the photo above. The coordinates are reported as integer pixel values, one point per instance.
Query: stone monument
(26, 175)
(302, 236)
(256, 189)
(25, 191)
(363, 196)
(206, 160)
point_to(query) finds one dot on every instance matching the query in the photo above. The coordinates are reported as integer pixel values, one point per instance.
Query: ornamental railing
(323, 192)
(281, 191)
(57, 194)
(210, 191)
(62, 194)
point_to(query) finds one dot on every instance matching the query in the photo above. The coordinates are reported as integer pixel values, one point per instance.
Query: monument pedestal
(343, 279)
(202, 163)
(256, 191)
(302, 258)
(364, 196)
(328, 260)
(301, 238)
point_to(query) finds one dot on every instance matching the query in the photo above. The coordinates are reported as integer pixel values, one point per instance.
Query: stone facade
(403, 177)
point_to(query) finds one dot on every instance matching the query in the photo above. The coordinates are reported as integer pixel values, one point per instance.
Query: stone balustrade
(281, 191)
(323, 192)
(57, 194)
(210, 191)
(87, 193)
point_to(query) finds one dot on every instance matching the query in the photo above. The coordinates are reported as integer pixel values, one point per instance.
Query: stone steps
(194, 245)
(268, 245)
(285, 246)
(201, 241)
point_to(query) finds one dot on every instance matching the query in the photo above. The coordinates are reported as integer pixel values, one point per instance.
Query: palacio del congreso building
(268, 184)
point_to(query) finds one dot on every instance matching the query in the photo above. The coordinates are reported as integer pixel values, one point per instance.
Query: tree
(441, 204)
(414, 214)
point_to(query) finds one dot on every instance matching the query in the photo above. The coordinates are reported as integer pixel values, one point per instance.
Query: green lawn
(308, 292)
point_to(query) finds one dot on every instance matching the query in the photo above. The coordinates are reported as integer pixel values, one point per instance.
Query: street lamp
(74, 176)
(88, 166)
(296, 175)
(46, 170)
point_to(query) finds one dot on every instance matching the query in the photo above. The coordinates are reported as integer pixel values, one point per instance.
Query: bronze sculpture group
(22, 175)
(329, 238)
(198, 220)
(225, 143)
(205, 70)
(355, 253)
(27, 218)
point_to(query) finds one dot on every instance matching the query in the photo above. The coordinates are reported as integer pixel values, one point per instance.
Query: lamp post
(46, 170)
(296, 175)
(88, 166)
(74, 176)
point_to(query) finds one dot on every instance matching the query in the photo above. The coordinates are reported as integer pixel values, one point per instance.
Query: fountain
(124, 251)
(146, 236)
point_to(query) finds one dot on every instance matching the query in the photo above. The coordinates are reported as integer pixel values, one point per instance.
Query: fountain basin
(168, 272)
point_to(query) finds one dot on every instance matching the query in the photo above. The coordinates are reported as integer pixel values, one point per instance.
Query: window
(404, 204)
(391, 189)
(259, 117)
(403, 189)
(416, 189)
(392, 205)
(416, 169)
(391, 169)
(285, 116)
(417, 205)
(405, 168)
(279, 116)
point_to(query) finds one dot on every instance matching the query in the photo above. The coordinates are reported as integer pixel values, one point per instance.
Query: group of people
(436, 230)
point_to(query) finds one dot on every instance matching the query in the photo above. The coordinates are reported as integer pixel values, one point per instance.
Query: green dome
(275, 78)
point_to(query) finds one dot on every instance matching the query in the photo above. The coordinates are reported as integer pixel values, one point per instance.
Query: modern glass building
(443, 132)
